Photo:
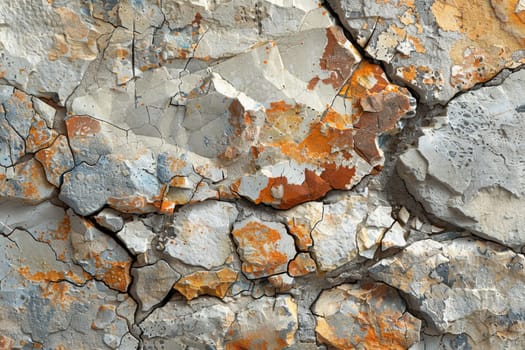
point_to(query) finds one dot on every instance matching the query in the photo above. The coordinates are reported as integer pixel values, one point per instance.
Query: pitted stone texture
(364, 316)
(265, 248)
(471, 172)
(214, 283)
(44, 303)
(464, 286)
(438, 47)
(152, 283)
(201, 234)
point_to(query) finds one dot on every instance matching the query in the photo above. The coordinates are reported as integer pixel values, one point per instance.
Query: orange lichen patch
(63, 229)
(262, 340)
(491, 28)
(214, 283)
(300, 229)
(376, 324)
(40, 136)
(50, 276)
(259, 244)
(28, 183)
(82, 125)
(117, 275)
(336, 58)
(134, 204)
(78, 40)
(58, 294)
(409, 73)
(303, 264)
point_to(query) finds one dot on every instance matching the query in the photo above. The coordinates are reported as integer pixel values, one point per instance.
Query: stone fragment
(282, 282)
(301, 220)
(370, 235)
(214, 283)
(125, 185)
(464, 287)
(266, 323)
(394, 237)
(335, 236)
(110, 219)
(301, 265)
(99, 254)
(471, 172)
(442, 51)
(265, 248)
(136, 236)
(25, 182)
(201, 234)
(208, 320)
(56, 160)
(152, 283)
(368, 315)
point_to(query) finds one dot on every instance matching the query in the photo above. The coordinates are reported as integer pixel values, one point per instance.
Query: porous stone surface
(470, 172)
(262, 174)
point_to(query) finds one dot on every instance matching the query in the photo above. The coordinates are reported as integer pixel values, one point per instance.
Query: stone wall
(262, 174)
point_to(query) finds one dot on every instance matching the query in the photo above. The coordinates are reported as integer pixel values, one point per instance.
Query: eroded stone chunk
(438, 47)
(464, 286)
(136, 236)
(110, 219)
(335, 236)
(265, 248)
(369, 316)
(471, 172)
(25, 182)
(267, 323)
(152, 283)
(208, 320)
(214, 283)
(201, 234)
(56, 160)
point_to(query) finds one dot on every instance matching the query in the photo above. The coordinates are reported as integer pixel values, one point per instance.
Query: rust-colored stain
(261, 340)
(81, 125)
(301, 265)
(301, 232)
(336, 58)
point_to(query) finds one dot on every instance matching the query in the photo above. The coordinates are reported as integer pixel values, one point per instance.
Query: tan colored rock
(301, 265)
(214, 283)
(369, 316)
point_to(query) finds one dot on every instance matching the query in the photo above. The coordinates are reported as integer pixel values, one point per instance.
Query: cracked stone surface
(438, 47)
(370, 316)
(452, 284)
(262, 174)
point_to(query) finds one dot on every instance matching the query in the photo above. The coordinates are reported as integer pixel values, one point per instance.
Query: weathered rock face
(438, 47)
(371, 316)
(464, 287)
(252, 174)
(471, 171)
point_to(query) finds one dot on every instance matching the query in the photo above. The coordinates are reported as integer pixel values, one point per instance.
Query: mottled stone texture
(262, 174)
